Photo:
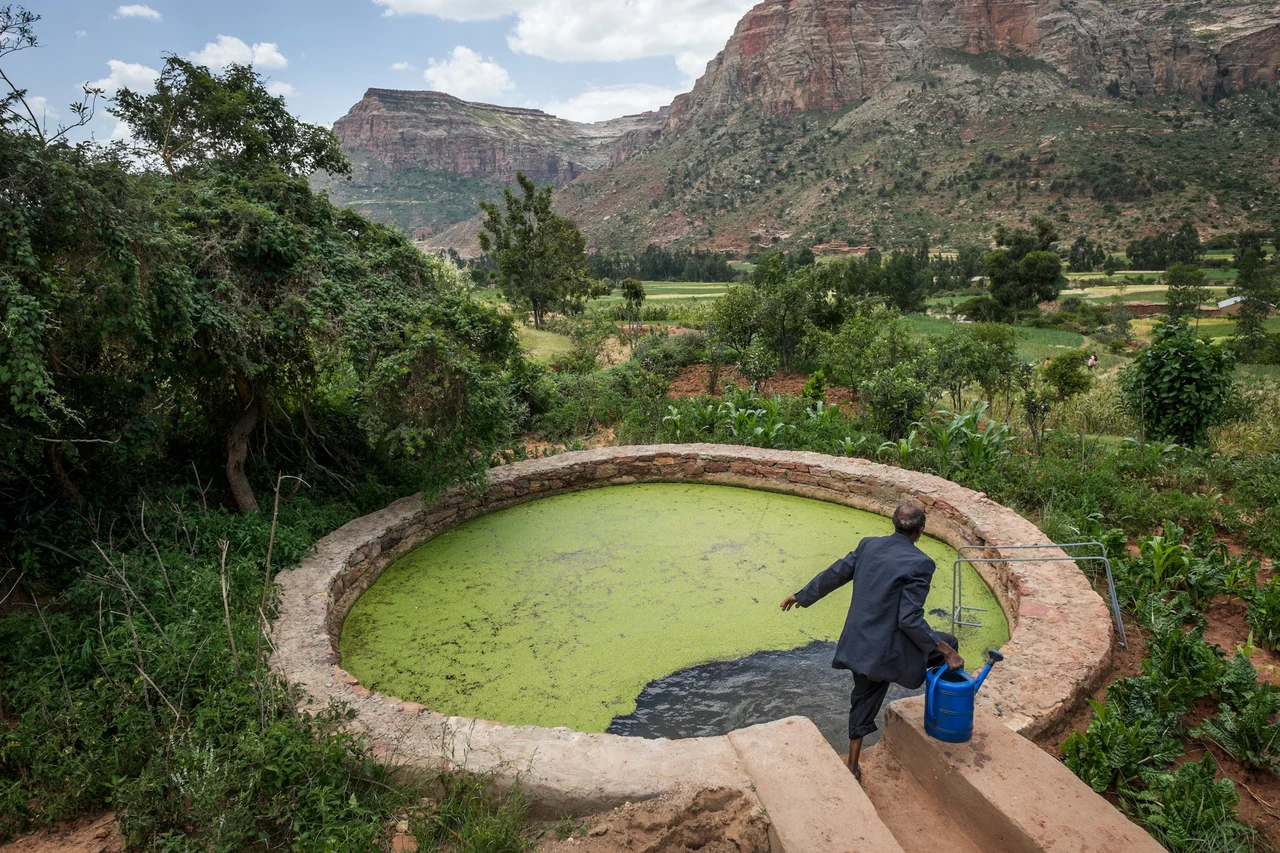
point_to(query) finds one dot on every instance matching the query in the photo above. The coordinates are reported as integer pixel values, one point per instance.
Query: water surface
(559, 612)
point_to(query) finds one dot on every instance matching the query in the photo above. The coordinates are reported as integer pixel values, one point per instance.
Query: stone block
(813, 803)
(1009, 794)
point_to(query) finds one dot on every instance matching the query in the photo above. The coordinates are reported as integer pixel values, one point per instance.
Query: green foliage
(895, 398)
(815, 387)
(1112, 753)
(468, 817)
(195, 117)
(1187, 291)
(736, 317)
(1264, 614)
(1245, 731)
(1068, 374)
(540, 256)
(658, 264)
(1255, 283)
(1180, 385)
(1189, 810)
(1163, 250)
(758, 363)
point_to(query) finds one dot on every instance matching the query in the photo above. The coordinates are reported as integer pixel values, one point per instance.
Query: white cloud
(127, 75)
(691, 32)
(138, 10)
(81, 34)
(609, 102)
(40, 106)
(472, 10)
(279, 87)
(401, 66)
(468, 75)
(228, 50)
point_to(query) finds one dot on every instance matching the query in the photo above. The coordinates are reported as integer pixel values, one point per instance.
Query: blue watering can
(948, 702)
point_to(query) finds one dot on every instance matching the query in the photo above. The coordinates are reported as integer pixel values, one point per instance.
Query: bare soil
(695, 380)
(716, 820)
(87, 835)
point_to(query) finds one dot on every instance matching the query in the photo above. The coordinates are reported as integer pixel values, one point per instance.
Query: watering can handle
(932, 676)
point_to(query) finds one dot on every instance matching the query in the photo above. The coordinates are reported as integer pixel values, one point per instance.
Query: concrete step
(1005, 792)
(813, 803)
(912, 814)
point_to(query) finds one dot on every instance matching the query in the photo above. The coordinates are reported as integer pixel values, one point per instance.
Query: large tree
(540, 256)
(1255, 284)
(1187, 291)
(204, 300)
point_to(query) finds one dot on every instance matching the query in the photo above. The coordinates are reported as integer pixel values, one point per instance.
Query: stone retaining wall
(1059, 649)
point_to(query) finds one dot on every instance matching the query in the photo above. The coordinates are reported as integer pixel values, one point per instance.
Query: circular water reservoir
(565, 610)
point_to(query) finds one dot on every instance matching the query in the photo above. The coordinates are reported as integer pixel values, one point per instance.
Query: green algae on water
(558, 612)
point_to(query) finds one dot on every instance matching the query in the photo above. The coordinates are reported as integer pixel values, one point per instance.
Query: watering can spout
(993, 657)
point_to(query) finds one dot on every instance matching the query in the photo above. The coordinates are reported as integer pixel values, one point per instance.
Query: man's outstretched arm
(840, 573)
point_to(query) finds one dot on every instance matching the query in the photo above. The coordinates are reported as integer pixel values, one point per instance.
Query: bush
(1180, 385)
(1068, 374)
(895, 399)
(671, 353)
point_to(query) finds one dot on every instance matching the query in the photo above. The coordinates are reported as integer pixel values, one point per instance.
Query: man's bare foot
(857, 773)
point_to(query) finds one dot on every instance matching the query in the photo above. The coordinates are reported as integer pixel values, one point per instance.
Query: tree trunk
(238, 446)
(68, 489)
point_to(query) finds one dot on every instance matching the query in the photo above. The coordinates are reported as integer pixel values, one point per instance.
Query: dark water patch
(717, 698)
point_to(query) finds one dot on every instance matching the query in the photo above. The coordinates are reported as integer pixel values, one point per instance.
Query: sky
(585, 60)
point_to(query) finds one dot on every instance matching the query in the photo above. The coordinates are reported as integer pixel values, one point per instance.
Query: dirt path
(88, 835)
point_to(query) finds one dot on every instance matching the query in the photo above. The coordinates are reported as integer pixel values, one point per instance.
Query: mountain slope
(890, 121)
(423, 159)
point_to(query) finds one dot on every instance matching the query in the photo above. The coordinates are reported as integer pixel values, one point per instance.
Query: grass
(542, 346)
(1033, 344)
(691, 291)
(1221, 327)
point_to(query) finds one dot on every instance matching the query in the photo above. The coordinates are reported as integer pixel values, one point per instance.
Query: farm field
(689, 291)
(543, 346)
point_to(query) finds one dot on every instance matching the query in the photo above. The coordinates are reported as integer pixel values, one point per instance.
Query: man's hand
(789, 602)
(951, 656)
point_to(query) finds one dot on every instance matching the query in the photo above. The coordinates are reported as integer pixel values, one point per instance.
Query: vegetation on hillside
(204, 366)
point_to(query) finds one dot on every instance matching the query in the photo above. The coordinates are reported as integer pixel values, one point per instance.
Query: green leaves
(1180, 385)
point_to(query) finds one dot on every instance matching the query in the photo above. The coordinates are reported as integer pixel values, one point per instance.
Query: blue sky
(582, 59)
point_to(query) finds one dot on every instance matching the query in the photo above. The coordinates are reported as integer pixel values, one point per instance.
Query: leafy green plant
(673, 424)
(1112, 753)
(1190, 811)
(1180, 385)
(901, 450)
(1264, 614)
(1244, 729)
(815, 387)
(848, 447)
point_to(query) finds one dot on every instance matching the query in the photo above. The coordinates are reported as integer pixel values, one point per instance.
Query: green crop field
(543, 346)
(690, 291)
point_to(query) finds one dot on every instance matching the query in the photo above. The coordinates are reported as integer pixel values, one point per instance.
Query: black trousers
(868, 695)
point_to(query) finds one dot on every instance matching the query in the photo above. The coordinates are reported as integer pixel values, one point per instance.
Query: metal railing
(959, 609)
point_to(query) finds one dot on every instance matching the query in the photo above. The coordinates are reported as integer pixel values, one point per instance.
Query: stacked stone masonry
(1059, 650)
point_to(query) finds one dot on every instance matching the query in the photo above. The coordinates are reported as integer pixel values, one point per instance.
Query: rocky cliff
(434, 131)
(790, 56)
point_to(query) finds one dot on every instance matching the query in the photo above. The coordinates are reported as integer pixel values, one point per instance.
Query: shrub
(815, 387)
(1180, 385)
(895, 398)
(1068, 374)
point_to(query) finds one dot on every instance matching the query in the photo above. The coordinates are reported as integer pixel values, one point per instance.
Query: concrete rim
(1059, 650)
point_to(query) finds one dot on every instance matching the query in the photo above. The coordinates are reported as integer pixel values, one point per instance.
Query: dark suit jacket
(885, 636)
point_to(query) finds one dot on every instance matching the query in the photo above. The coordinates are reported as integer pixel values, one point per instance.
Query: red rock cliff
(789, 56)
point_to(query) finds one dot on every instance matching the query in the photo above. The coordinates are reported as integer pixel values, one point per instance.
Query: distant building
(1231, 307)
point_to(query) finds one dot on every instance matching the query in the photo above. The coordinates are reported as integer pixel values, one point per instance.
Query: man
(885, 637)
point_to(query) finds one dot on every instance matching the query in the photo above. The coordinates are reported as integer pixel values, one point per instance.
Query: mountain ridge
(816, 94)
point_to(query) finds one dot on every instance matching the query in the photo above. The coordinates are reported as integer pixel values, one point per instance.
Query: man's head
(908, 520)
